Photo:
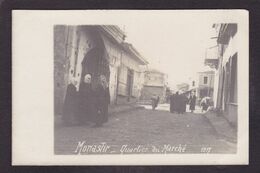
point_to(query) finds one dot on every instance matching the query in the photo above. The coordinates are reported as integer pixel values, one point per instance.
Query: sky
(176, 48)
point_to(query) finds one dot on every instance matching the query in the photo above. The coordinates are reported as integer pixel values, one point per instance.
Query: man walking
(192, 101)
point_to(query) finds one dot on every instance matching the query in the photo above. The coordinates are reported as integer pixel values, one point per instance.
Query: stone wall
(73, 43)
(60, 66)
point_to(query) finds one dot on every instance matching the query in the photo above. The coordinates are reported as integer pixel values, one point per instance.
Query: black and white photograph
(110, 99)
(142, 83)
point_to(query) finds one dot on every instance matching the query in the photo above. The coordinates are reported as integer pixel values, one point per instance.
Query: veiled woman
(102, 101)
(86, 100)
(183, 102)
(70, 103)
(172, 103)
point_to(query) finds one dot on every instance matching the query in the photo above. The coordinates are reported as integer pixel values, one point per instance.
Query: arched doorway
(95, 63)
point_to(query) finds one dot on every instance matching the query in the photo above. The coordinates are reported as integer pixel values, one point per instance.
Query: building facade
(225, 64)
(193, 84)
(155, 83)
(131, 75)
(96, 50)
(205, 86)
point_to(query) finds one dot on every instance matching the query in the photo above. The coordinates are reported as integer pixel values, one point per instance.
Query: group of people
(179, 101)
(88, 104)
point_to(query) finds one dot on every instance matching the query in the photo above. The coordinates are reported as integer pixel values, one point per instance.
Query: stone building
(224, 61)
(155, 83)
(131, 75)
(193, 83)
(205, 86)
(96, 50)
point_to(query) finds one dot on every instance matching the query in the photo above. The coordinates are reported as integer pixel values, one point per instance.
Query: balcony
(211, 58)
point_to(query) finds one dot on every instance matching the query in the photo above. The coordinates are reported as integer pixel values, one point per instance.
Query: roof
(207, 72)
(114, 32)
(131, 50)
(225, 31)
(154, 71)
(118, 36)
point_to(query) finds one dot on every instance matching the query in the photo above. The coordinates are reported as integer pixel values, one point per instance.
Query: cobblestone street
(143, 131)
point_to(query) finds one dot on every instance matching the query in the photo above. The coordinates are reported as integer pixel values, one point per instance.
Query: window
(193, 83)
(205, 81)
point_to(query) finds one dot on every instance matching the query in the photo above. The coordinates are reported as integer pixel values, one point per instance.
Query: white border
(32, 106)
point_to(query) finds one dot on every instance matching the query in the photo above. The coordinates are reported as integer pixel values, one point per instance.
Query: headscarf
(103, 81)
(88, 77)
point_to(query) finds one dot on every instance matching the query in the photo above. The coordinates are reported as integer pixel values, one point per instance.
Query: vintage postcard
(130, 87)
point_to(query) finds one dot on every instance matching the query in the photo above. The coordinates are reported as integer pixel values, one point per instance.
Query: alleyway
(146, 128)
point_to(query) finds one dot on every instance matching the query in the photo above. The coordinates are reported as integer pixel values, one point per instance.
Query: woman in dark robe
(102, 101)
(172, 103)
(192, 102)
(70, 102)
(86, 101)
(183, 102)
(157, 101)
(177, 103)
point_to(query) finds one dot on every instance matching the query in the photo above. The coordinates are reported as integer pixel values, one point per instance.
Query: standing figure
(155, 100)
(102, 101)
(192, 101)
(86, 100)
(177, 103)
(70, 103)
(172, 103)
(204, 104)
(183, 102)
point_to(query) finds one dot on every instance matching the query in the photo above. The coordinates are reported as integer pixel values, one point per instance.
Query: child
(155, 101)
(204, 104)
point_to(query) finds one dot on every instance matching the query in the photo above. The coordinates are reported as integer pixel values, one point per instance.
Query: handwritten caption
(83, 148)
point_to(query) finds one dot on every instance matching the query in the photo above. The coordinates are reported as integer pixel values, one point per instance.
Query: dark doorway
(95, 63)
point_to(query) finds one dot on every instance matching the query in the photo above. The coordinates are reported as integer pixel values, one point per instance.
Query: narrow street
(146, 128)
(137, 85)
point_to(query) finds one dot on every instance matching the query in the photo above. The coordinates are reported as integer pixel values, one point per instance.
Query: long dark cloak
(70, 103)
(177, 102)
(102, 102)
(192, 102)
(172, 103)
(86, 111)
(182, 104)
